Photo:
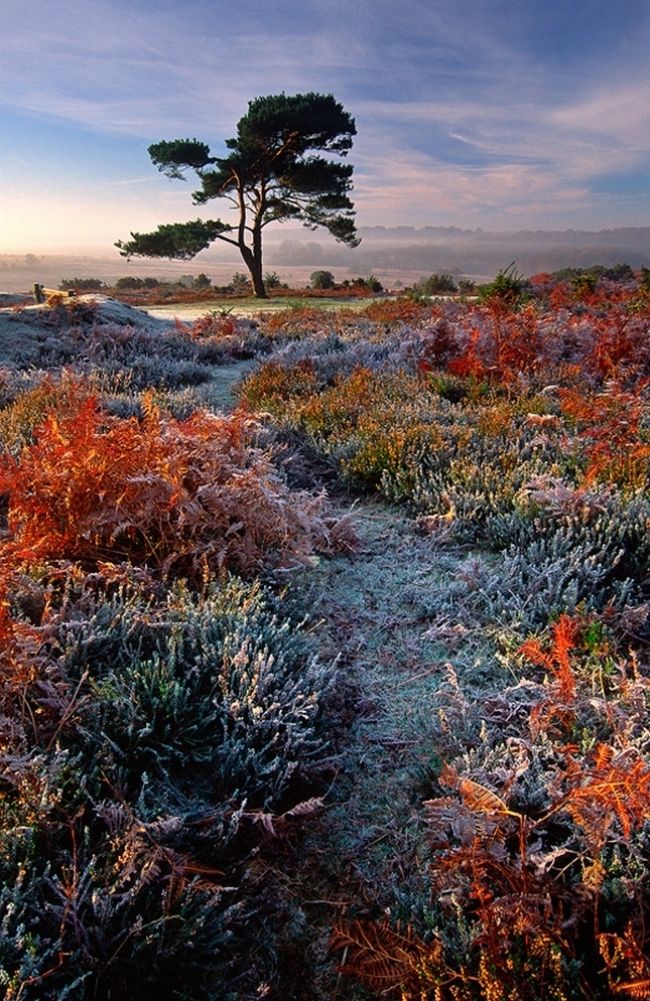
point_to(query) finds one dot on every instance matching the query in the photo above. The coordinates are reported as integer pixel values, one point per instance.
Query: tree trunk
(253, 262)
(258, 282)
(256, 270)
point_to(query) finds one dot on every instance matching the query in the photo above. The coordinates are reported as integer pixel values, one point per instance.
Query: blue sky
(472, 113)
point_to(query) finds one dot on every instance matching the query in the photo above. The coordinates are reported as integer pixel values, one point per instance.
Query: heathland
(325, 641)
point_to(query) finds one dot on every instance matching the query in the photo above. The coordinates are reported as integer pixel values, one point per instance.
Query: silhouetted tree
(271, 174)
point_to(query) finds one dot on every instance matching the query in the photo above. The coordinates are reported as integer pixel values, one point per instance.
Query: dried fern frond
(388, 960)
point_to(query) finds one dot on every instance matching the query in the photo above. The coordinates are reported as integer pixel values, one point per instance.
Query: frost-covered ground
(468, 808)
(24, 325)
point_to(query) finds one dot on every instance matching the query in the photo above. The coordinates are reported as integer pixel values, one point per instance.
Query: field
(326, 650)
(250, 306)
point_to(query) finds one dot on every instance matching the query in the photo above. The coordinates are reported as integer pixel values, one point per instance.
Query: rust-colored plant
(176, 495)
(609, 426)
(527, 841)
(389, 960)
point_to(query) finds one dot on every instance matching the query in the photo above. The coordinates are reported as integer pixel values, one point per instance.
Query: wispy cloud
(475, 113)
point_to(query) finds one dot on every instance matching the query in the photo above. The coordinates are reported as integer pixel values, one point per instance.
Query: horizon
(472, 115)
(397, 257)
(281, 234)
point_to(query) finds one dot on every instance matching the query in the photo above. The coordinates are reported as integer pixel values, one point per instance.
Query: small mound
(24, 326)
(112, 311)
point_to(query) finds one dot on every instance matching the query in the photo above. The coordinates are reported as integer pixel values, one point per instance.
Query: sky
(525, 114)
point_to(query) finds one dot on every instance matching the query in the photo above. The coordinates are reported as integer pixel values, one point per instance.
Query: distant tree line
(586, 276)
(240, 283)
(508, 282)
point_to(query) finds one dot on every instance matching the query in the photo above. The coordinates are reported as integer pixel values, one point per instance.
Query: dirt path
(218, 392)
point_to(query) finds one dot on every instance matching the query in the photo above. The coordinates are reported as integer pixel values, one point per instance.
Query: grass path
(381, 613)
(377, 611)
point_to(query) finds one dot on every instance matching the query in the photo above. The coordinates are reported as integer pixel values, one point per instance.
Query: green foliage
(436, 285)
(273, 173)
(201, 281)
(616, 273)
(240, 283)
(507, 289)
(373, 284)
(585, 282)
(129, 282)
(217, 685)
(273, 280)
(321, 279)
(178, 241)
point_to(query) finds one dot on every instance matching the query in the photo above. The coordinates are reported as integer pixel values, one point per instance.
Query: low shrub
(175, 495)
(538, 836)
(148, 741)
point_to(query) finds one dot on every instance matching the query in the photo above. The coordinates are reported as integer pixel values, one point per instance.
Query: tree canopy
(273, 173)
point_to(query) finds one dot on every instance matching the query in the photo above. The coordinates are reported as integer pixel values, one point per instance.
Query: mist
(396, 255)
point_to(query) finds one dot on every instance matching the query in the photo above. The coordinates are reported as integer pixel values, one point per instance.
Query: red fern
(557, 660)
(177, 495)
(609, 427)
(609, 788)
(386, 960)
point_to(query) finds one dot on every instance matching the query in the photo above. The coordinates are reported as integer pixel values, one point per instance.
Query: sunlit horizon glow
(470, 113)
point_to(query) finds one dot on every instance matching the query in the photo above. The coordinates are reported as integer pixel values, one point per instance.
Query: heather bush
(144, 732)
(174, 685)
(130, 355)
(12, 383)
(220, 337)
(397, 432)
(538, 836)
(178, 403)
(457, 416)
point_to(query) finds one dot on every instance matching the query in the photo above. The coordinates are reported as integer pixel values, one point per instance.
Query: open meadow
(326, 649)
